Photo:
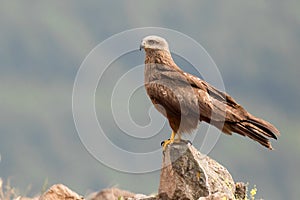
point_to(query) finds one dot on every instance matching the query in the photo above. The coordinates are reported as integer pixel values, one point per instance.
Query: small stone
(113, 193)
(60, 192)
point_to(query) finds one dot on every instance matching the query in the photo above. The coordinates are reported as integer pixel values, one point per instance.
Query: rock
(142, 197)
(116, 194)
(26, 198)
(60, 192)
(112, 194)
(187, 174)
(216, 196)
(240, 190)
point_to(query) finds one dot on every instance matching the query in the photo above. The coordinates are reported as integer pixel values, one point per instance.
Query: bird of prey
(185, 99)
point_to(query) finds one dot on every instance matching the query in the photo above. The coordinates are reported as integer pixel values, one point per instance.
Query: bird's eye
(151, 42)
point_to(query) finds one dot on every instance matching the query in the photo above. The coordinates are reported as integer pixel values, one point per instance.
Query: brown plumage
(186, 99)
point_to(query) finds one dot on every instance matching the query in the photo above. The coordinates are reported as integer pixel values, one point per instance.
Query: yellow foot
(169, 141)
(166, 143)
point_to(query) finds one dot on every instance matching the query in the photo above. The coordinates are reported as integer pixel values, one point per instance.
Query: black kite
(186, 99)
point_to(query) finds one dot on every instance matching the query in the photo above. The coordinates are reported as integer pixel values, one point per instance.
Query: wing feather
(227, 115)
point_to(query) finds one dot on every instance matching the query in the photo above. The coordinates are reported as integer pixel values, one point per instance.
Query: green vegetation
(252, 193)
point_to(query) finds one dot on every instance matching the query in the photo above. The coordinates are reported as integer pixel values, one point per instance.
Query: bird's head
(154, 42)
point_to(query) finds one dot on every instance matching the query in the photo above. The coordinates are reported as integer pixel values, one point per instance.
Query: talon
(166, 143)
(169, 141)
(163, 142)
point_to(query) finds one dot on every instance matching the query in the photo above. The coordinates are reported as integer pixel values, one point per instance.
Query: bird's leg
(169, 141)
(178, 139)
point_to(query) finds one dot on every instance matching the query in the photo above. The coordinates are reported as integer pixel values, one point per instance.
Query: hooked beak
(142, 45)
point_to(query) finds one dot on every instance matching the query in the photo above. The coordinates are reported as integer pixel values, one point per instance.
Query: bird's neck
(159, 57)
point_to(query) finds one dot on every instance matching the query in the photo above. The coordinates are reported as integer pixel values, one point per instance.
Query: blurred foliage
(7, 192)
(255, 44)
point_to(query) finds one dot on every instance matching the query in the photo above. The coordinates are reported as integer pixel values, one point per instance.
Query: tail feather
(252, 132)
(267, 128)
(257, 129)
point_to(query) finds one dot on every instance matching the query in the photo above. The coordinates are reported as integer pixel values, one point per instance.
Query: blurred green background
(255, 44)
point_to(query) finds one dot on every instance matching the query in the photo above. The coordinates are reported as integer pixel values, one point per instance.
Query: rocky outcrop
(186, 174)
(60, 192)
(115, 193)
